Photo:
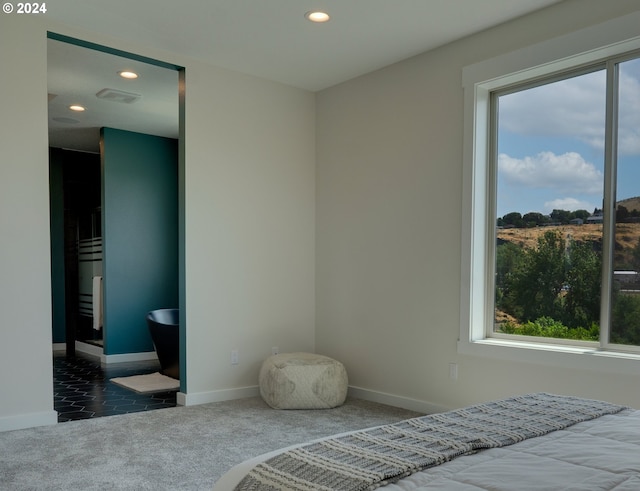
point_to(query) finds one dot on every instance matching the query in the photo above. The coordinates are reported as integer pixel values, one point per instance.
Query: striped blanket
(368, 459)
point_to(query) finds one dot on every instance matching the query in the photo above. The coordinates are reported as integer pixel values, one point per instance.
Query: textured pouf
(302, 381)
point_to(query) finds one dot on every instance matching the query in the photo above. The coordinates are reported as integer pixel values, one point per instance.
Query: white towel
(97, 302)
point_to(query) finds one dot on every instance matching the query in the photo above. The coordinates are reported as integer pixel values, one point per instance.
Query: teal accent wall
(140, 235)
(56, 210)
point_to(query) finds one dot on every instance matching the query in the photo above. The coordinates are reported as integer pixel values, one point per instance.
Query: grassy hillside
(528, 237)
(627, 237)
(630, 203)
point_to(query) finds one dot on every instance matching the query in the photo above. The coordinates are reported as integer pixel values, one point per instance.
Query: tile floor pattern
(81, 388)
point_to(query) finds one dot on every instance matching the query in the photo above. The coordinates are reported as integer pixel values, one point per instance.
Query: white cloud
(566, 173)
(575, 108)
(569, 204)
(629, 112)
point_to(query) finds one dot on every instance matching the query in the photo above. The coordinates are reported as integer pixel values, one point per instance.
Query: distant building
(576, 221)
(596, 218)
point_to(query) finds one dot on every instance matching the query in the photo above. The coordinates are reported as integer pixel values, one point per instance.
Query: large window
(549, 160)
(551, 138)
(551, 224)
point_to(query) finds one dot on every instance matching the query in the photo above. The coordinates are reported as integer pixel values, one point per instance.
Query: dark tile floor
(82, 389)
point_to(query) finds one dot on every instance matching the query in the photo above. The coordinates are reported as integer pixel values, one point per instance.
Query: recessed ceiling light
(77, 108)
(128, 74)
(317, 16)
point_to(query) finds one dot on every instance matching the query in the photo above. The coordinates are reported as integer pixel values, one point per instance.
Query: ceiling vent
(118, 96)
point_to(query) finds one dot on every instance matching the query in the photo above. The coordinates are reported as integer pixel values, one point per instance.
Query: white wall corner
(22, 421)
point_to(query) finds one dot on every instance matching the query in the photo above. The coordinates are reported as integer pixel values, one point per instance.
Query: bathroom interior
(114, 223)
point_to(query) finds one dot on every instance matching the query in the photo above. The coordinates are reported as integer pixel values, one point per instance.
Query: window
(551, 231)
(550, 164)
(624, 321)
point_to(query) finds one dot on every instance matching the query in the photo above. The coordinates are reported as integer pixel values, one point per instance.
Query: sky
(551, 143)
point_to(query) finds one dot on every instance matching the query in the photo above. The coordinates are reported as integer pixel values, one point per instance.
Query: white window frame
(568, 52)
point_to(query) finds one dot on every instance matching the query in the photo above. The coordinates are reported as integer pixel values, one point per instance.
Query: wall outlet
(453, 371)
(275, 350)
(234, 357)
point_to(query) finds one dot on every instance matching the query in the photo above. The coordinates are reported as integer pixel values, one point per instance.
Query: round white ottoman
(302, 381)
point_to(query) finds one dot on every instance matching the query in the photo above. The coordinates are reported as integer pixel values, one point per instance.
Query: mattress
(602, 453)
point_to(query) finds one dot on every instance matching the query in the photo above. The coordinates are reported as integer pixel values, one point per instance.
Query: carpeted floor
(185, 448)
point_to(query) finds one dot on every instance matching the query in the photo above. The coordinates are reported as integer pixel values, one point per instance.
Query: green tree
(583, 273)
(622, 214)
(583, 214)
(625, 319)
(533, 219)
(552, 281)
(560, 216)
(509, 258)
(536, 286)
(514, 218)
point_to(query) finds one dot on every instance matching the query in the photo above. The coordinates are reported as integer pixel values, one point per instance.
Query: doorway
(92, 77)
(76, 238)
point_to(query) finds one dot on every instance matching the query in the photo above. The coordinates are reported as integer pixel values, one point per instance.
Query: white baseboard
(397, 401)
(127, 357)
(19, 422)
(424, 407)
(216, 396)
(90, 349)
(59, 346)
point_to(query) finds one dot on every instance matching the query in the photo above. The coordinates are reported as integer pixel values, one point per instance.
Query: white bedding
(600, 454)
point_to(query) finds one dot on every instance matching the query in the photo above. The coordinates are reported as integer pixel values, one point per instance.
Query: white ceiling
(76, 74)
(266, 38)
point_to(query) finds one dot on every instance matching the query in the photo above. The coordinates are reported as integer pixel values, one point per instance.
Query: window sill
(570, 357)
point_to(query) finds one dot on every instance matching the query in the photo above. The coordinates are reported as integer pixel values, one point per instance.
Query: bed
(530, 442)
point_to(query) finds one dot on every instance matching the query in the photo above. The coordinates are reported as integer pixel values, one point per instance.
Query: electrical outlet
(275, 350)
(453, 371)
(234, 357)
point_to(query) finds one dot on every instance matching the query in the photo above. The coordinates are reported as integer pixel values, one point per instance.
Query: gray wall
(248, 222)
(251, 154)
(390, 206)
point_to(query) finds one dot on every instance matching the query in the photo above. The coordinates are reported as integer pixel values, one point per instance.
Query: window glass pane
(625, 310)
(550, 175)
